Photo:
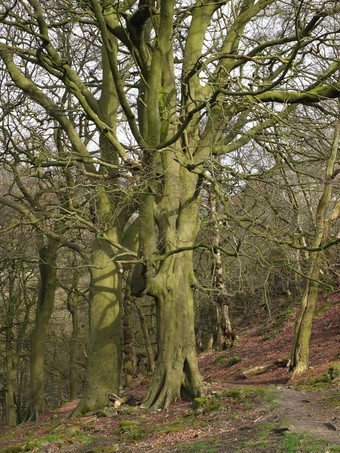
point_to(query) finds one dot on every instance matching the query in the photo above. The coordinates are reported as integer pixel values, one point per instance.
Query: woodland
(169, 173)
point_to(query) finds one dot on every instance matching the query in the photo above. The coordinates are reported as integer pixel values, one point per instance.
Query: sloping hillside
(261, 412)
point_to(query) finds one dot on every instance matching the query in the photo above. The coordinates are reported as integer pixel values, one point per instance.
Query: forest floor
(266, 412)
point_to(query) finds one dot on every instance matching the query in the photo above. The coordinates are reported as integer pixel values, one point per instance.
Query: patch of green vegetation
(323, 381)
(266, 439)
(229, 362)
(296, 442)
(51, 438)
(205, 405)
(59, 428)
(233, 416)
(126, 424)
(206, 447)
(84, 410)
(334, 371)
(72, 434)
(285, 315)
(172, 427)
(220, 359)
(13, 449)
(321, 309)
(198, 423)
(31, 444)
(232, 361)
(248, 393)
(131, 431)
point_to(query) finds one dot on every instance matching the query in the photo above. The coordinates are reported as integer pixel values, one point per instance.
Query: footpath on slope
(308, 412)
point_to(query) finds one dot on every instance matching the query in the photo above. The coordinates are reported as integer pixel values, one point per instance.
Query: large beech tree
(189, 81)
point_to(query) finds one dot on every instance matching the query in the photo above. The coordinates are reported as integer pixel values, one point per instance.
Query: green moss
(131, 431)
(71, 432)
(84, 410)
(322, 381)
(220, 359)
(172, 427)
(51, 438)
(232, 361)
(334, 371)
(205, 405)
(13, 449)
(200, 402)
(124, 424)
(321, 309)
(59, 428)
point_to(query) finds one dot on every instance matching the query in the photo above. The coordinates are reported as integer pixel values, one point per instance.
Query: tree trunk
(73, 309)
(129, 367)
(11, 354)
(48, 256)
(176, 373)
(11, 372)
(104, 352)
(223, 334)
(147, 341)
(223, 330)
(303, 326)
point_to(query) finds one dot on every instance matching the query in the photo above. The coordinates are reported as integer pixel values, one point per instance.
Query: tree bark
(129, 367)
(176, 373)
(104, 352)
(11, 374)
(147, 341)
(73, 309)
(46, 298)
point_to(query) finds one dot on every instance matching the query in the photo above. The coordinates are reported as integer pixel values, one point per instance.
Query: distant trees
(130, 113)
(17, 299)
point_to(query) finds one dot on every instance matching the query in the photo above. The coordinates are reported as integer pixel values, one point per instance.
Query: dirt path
(308, 411)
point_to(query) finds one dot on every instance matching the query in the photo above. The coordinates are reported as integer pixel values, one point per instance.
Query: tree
(325, 217)
(190, 81)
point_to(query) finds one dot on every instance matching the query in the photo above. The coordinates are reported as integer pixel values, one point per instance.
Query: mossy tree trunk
(104, 351)
(146, 336)
(45, 304)
(11, 354)
(72, 306)
(176, 374)
(303, 326)
(129, 362)
(11, 376)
